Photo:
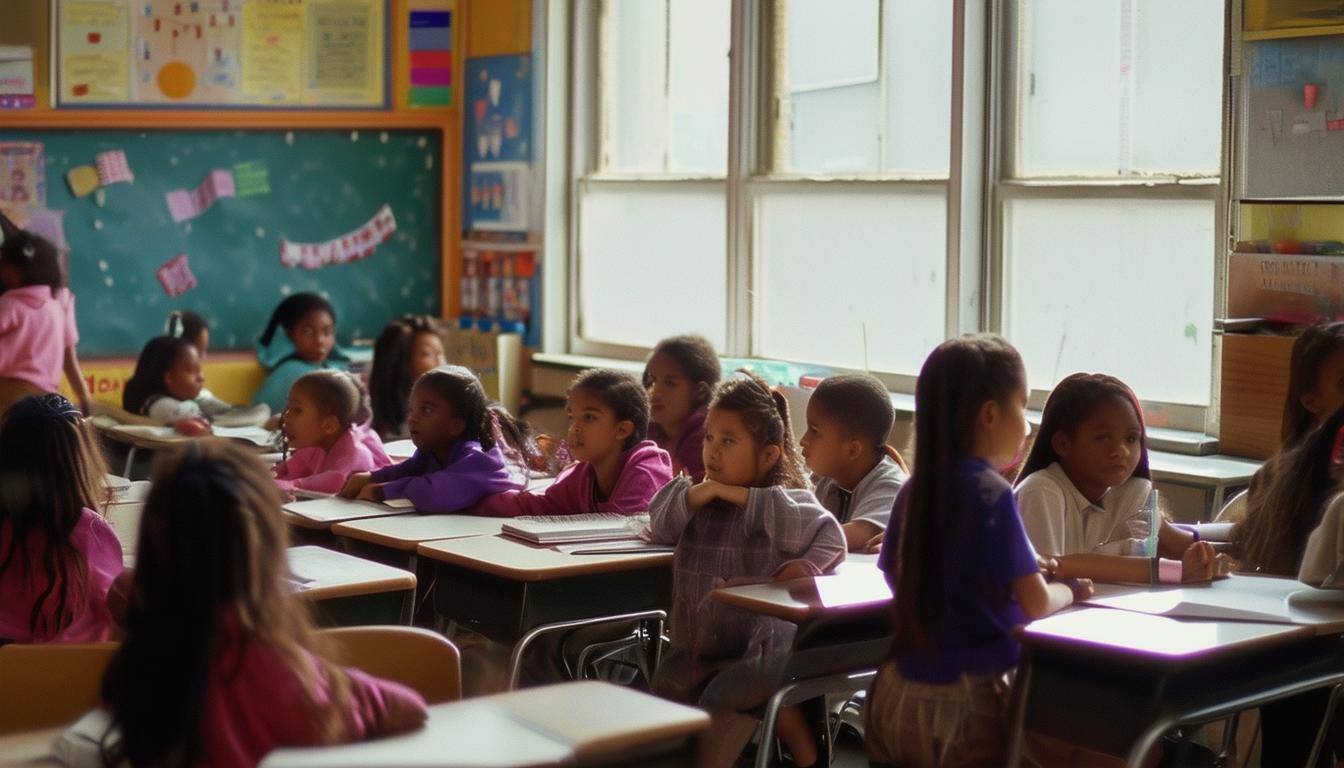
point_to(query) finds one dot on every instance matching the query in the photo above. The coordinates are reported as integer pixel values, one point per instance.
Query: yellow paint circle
(177, 80)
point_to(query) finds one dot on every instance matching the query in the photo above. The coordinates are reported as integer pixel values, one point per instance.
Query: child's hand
(371, 492)
(702, 493)
(273, 423)
(874, 545)
(192, 427)
(796, 569)
(1198, 562)
(1048, 566)
(859, 535)
(1081, 588)
(354, 484)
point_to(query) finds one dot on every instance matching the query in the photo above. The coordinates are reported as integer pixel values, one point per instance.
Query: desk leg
(519, 648)
(130, 462)
(1017, 710)
(1325, 727)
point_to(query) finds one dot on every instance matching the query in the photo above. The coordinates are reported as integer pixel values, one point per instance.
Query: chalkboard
(322, 185)
(1292, 119)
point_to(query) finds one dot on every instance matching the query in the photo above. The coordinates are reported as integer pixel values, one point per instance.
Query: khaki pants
(921, 725)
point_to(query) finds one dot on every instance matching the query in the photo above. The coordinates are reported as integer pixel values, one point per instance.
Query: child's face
(305, 424)
(183, 379)
(594, 431)
(1327, 395)
(426, 354)
(672, 396)
(1005, 428)
(313, 336)
(827, 447)
(1105, 449)
(732, 456)
(431, 421)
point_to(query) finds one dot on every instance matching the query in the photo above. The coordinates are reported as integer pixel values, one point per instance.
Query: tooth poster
(352, 246)
(497, 149)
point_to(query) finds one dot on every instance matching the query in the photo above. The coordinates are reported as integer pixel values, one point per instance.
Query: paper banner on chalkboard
(352, 246)
(113, 167)
(23, 179)
(183, 204)
(175, 276)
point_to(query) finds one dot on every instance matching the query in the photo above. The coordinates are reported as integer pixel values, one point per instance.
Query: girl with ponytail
(299, 338)
(326, 424)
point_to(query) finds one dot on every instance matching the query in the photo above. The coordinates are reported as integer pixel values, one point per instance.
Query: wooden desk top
(518, 561)
(1201, 470)
(1124, 635)
(405, 532)
(30, 748)
(1239, 597)
(321, 514)
(551, 725)
(857, 587)
(335, 574)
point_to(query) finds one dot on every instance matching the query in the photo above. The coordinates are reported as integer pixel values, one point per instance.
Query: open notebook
(576, 529)
(333, 509)
(1241, 598)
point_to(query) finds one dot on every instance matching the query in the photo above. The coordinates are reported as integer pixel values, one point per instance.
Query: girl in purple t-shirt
(960, 565)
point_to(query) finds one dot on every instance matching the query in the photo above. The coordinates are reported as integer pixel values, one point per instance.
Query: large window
(856, 183)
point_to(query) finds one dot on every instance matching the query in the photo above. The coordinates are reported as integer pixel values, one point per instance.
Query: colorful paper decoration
(113, 167)
(175, 276)
(23, 179)
(251, 179)
(431, 52)
(352, 246)
(183, 204)
(83, 180)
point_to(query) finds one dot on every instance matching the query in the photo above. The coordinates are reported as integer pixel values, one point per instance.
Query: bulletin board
(232, 53)
(230, 222)
(1292, 119)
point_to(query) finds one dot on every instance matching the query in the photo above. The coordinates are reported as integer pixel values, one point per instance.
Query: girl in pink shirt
(37, 320)
(220, 664)
(680, 376)
(58, 556)
(618, 470)
(324, 422)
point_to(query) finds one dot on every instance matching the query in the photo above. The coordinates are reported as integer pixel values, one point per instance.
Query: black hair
(1071, 403)
(186, 324)
(623, 394)
(36, 259)
(860, 404)
(463, 391)
(1310, 351)
(696, 357)
(389, 378)
(292, 310)
(765, 413)
(336, 393)
(155, 359)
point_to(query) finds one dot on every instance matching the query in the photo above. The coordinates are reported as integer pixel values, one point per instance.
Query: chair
(423, 660)
(46, 686)
(1234, 511)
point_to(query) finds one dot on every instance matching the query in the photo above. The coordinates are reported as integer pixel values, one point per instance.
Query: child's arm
(863, 535)
(800, 529)
(382, 707)
(166, 410)
(635, 488)
(453, 488)
(1039, 598)
(75, 376)
(670, 511)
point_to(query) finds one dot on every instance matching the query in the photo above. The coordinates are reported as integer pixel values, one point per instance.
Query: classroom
(714, 383)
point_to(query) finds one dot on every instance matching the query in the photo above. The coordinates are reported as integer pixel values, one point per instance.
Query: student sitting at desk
(58, 556)
(680, 376)
(406, 349)
(168, 386)
(857, 474)
(220, 664)
(751, 518)
(1086, 485)
(307, 343)
(324, 424)
(191, 326)
(457, 461)
(960, 565)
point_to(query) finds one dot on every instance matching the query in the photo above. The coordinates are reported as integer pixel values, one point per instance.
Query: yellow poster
(272, 51)
(187, 51)
(95, 50)
(345, 61)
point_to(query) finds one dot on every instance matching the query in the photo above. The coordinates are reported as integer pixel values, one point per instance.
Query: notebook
(575, 529)
(333, 509)
(625, 547)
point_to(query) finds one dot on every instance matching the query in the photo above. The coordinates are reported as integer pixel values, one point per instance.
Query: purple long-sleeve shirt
(470, 474)
(644, 469)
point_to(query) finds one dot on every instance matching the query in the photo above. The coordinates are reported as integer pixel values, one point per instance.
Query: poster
(497, 143)
(94, 50)
(272, 51)
(430, 43)
(344, 58)
(23, 180)
(187, 52)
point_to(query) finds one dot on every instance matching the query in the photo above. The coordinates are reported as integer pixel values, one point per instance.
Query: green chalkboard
(322, 185)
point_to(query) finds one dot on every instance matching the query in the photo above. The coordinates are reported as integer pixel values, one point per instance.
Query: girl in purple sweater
(456, 463)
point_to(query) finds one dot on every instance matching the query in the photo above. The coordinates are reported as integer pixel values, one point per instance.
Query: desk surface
(405, 532)
(518, 561)
(1200, 470)
(551, 725)
(1129, 636)
(1239, 597)
(856, 586)
(335, 574)
(30, 748)
(320, 514)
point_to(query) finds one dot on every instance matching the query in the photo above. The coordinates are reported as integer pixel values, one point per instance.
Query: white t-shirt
(166, 410)
(1060, 520)
(870, 500)
(1325, 547)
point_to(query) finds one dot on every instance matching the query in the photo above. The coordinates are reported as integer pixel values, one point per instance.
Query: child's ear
(1061, 442)
(1311, 401)
(702, 392)
(625, 429)
(989, 413)
(330, 425)
(770, 454)
(853, 449)
(456, 426)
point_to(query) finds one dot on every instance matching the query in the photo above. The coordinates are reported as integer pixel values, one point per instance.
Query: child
(307, 344)
(857, 475)
(618, 471)
(456, 461)
(169, 387)
(960, 565)
(58, 556)
(751, 517)
(1085, 489)
(324, 424)
(220, 663)
(406, 349)
(37, 320)
(680, 376)
(191, 326)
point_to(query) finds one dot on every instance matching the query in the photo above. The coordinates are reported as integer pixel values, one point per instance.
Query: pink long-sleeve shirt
(312, 469)
(644, 469)
(35, 329)
(20, 586)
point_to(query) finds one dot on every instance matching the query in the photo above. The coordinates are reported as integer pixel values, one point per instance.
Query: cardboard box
(1254, 385)
(1270, 284)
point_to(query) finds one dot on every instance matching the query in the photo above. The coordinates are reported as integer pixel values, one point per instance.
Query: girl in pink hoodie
(618, 471)
(325, 422)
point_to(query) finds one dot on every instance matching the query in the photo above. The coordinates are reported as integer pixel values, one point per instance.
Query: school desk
(321, 514)
(394, 540)
(1116, 680)
(513, 592)
(348, 590)
(843, 635)
(583, 723)
(30, 748)
(138, 437)
(1215, 476)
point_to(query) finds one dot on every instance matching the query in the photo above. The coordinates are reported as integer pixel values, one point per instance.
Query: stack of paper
(574, 529)
(333, 509)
